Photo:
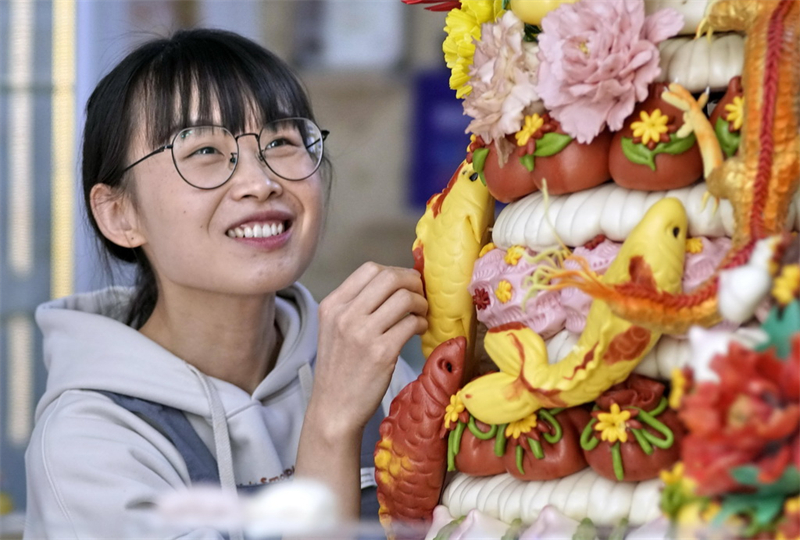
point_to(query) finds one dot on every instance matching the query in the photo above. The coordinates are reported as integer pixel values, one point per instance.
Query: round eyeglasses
(206, 156)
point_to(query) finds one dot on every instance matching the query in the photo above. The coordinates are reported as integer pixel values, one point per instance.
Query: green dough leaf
(527, 161)
(763, 505)
(479, 159)
(642, 155)
(676, 145)
(551, 144)
(780, 327)
(586, 530)
(763, 509)
(445, 532)
(514, 531)
(638, 153)
(787, 484)
(729, 142)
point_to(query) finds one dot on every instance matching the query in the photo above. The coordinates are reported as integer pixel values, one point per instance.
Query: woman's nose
(252, 175)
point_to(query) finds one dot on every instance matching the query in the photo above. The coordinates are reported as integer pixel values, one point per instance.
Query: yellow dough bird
(449, 238)
(609, 347)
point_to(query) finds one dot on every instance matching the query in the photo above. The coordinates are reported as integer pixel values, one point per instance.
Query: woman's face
(190, 235)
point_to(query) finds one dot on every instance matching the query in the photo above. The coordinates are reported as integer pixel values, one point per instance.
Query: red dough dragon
(410, 458)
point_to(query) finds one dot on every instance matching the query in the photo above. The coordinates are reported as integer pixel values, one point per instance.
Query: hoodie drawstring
(306, 381)
(222, 441)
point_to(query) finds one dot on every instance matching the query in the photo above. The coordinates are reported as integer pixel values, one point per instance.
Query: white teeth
(256, 231)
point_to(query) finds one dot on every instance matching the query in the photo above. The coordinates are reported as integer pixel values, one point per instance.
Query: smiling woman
(203, 165)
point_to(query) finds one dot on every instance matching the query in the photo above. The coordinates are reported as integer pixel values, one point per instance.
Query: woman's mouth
(259, 230)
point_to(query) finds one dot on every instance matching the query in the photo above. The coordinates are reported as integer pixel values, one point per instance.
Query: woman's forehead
(238, 111)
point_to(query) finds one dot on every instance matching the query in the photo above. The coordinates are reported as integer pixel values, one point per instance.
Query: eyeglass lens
(206, 156)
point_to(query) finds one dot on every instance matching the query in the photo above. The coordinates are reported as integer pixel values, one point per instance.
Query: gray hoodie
(94, 469)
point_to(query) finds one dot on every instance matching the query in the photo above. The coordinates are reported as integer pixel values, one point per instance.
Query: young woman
(203, 165)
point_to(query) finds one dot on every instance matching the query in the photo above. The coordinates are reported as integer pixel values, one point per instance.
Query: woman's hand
(363, 324)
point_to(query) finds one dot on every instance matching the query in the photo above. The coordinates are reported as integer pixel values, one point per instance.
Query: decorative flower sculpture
(597, 58)
(517, 429)
(463, 26)
(751, 417)
(652, 128)
(612, 425)
(504, 291)
(735, 113)
(454, 411)
(503, 82)
(531, 126)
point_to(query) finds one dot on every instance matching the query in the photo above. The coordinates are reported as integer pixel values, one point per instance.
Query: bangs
(198, 80)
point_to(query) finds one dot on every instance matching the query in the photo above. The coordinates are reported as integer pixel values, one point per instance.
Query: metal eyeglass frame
(235, 158)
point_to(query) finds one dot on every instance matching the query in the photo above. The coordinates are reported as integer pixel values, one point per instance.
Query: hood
(88, 347)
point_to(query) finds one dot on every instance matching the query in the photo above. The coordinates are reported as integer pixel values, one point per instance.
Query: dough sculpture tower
(617, 354)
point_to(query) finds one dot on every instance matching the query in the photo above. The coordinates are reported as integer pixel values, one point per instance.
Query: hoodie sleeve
(95, 470)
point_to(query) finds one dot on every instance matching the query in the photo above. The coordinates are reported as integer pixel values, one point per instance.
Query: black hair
(161, 85)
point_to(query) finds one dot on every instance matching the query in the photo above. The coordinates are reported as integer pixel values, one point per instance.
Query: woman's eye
(275, 143)
(205, 151)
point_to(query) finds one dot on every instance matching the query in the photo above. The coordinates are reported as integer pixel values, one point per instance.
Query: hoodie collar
(87, 346)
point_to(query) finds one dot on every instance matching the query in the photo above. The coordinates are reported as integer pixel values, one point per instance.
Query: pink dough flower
(503, 79)
(597, 58)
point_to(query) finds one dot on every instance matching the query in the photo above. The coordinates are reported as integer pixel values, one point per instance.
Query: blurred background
(376, 76)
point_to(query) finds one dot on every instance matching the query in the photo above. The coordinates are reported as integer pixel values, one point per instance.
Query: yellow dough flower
(679, 383)
(735, 113)
(532, 124)
(453, 410)
(486, 249)
(503, 291)
(651, 126)
(612, 424)
(513, 255)
(463, 27)
(520, 427)
(694, 245)
(786, 285)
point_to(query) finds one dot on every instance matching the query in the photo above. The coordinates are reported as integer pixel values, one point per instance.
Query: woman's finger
(401, 303)
(405, 329)
(384, 285)
(356, 282)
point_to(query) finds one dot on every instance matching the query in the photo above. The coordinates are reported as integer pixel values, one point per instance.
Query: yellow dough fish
(609, 347)
(449, 238)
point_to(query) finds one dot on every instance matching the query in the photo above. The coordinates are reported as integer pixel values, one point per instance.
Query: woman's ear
(116, 216)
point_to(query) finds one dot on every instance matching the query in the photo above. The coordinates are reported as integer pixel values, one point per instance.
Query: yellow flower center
(694, 245)
(503, 291)
(584, 48)
(735, 112)
(513, 255)
(519, 427)
(531, 125)
(612, 425)
(650, 127)
(786, 285)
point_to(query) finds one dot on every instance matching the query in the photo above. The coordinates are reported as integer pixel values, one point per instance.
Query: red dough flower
(752, 416)
(481, 299)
